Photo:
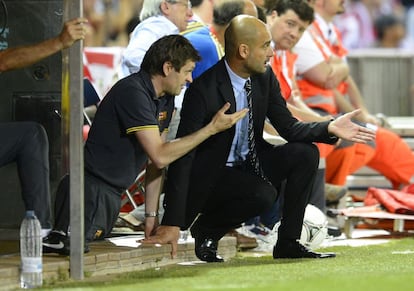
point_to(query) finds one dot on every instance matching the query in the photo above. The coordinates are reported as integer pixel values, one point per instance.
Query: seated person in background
(388, 153)
(287, 21)
(157, 19)
(390, 31)
(26, 143)
(129, 131)
(232, 176)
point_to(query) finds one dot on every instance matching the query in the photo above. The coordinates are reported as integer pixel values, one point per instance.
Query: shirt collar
(160, 20)
(148, 84)
(236, 81)
(197, 18)
(324, 26)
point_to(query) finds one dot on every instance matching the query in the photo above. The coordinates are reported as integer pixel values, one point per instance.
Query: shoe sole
(247, 246)
(321, 256)
(49, 250)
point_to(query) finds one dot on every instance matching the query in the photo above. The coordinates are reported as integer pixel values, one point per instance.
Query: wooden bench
(355, 215)
(367, 177)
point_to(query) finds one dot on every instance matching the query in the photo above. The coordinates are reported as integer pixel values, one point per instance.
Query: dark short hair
(224, 13)
(196, 3)
(261, 13)
(384, 22)
(173, 48)
(300, 7)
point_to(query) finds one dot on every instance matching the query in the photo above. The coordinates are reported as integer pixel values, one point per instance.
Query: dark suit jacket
(192, 177)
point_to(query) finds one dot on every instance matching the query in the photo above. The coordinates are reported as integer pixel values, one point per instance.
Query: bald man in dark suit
(226, 180)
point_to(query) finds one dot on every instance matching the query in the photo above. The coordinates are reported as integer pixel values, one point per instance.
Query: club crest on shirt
(162, 116)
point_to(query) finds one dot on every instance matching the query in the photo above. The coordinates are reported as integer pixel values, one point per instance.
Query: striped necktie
(252, 155)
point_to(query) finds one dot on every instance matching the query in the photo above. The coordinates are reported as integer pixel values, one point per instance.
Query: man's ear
(243, 50)
(167, 68)
(274, 14)
(272, 17)
(164, 7)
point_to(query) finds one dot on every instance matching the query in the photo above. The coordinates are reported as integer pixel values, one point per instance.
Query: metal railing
(386, 79)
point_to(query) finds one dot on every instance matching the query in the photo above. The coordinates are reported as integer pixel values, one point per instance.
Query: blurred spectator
(390, 31)
(94, 35)
(409, 19)
(261, 13)
(356, 25)
(108, 20)
(119, 13)
(158, 18)
(203, 11)
(259, 3)
(225, 12)
(132, 23)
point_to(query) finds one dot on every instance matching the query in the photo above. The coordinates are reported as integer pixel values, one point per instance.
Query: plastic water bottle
(30, 252)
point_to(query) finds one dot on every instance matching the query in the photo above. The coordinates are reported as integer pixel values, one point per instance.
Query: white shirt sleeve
(308, 53)
(143, 36)
(136, 49)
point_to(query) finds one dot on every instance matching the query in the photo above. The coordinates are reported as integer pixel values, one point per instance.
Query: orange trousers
(393, 158)
(341, 162)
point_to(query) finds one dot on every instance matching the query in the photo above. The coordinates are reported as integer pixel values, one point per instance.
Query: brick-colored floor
(103, 258)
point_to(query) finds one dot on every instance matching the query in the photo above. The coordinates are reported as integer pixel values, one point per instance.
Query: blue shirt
(208, 48)
(240, 145)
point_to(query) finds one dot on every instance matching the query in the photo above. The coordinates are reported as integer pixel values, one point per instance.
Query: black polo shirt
(112, 152)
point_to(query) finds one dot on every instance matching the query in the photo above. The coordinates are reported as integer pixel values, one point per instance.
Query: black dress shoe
(206, 251)
(205, 247)
(294, 250)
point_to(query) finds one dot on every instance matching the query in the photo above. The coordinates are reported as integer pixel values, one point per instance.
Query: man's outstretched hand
(222, 120)
(165, 234)
(344, 127)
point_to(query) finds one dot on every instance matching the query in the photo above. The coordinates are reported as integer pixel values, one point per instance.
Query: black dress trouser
(240, 195)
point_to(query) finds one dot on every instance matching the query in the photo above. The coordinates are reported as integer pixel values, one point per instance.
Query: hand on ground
(165, 234)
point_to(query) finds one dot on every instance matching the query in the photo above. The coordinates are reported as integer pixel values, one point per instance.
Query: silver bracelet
(151, 214)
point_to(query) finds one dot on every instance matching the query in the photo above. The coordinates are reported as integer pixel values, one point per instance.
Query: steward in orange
(287, 21)
(391, 156)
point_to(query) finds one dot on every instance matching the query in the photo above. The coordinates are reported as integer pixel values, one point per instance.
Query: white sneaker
(45, 232)
(265, 237)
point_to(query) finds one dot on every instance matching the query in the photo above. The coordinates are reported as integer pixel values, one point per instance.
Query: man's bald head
(247, 45)
(243, 29)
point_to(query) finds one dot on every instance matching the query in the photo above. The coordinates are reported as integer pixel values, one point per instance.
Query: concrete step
(365, 181)
(402, 125)
(410, 142)
(106, 258)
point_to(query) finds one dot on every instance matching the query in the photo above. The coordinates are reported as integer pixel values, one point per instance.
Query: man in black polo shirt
(130, 129)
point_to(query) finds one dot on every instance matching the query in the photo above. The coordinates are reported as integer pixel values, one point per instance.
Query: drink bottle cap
(30, 213)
